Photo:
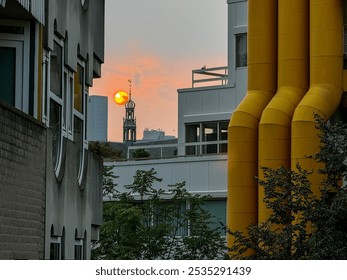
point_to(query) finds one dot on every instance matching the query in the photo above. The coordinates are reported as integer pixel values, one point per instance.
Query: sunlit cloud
(155, 81)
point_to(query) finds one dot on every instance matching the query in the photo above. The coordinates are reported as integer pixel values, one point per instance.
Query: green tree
(104, 150)
(150, 223)
(303, 225)
(140, 153)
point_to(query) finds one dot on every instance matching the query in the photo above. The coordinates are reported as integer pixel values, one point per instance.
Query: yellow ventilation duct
(243, 128)
(293, 82)
(287, 133)
(326, 72)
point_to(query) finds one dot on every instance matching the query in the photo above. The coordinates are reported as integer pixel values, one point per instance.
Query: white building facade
(203, 117)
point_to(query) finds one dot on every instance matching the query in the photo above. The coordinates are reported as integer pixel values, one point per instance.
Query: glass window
(78, 138)
(241, 50)
(223, 136)
(217, 208)
(56, 70)
(54, 253)
(209, 133)
(172, 213)
(7, 74)
(79, 89)
(78, 252)
(55, 124)
(192, 135)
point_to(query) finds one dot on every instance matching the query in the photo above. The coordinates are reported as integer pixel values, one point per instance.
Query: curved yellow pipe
(326, 72)
(243, 126)
(293, 82)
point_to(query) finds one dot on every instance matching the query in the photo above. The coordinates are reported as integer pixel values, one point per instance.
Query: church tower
(129, 122)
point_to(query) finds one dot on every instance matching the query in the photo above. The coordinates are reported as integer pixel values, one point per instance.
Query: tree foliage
(104, 150)
(146, 222)
(302, 225)
(140, 153)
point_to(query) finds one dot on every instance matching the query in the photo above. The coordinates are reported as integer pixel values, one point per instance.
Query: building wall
(74, 211)
(83, 30)
(22, 185)
(97, 118)
(205, 175)
(55, 63)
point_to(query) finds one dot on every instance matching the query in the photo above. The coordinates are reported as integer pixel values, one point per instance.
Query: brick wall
(22, 185)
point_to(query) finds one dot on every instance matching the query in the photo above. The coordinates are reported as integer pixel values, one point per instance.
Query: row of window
(183, 227)
(64, 90)
(198, 133)
(65, 113)
(57, 247)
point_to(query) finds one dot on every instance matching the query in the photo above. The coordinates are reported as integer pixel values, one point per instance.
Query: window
(14, 64)
(210, 133)
(241, 50)
(56, 105)
(56, 70)
(79, 250)
(65, 109)
(206, 138)
(217, 208)
(172, 213)
(223, 136)
(8, 74)
(80, 95)
(55, 124)
(78, 92)
(54, 252)
(192, 135)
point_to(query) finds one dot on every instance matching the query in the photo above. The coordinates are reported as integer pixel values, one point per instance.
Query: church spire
(129, 122)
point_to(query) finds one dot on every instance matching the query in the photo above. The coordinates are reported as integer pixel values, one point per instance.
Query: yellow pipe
(243, 126)
(326, 72)
(293, 82)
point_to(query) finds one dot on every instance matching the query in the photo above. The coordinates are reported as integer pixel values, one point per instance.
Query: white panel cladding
(202, 174)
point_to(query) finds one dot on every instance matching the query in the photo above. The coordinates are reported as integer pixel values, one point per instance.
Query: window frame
(201, 145)
(241, 55)
(21, 42)
(51, 96)
(82, 116)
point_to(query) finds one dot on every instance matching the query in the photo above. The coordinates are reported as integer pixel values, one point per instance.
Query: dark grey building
(50, 184)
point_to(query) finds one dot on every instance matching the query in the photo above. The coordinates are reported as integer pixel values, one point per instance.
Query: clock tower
(129, 121)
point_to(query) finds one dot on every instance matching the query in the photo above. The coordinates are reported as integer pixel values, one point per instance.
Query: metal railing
(161, 151)
(218, 74)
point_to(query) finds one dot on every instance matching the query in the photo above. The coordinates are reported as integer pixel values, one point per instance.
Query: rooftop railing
(216, 76)
(161, 151)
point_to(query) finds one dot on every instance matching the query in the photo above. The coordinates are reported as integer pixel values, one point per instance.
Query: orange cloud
(155, 81)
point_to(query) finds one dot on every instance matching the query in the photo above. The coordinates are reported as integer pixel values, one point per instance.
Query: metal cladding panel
(35, 7)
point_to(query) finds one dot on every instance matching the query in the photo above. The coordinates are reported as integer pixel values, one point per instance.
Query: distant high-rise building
(97, 118)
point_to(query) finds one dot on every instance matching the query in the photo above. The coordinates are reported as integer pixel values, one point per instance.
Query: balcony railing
(219, 76)
(161, 151)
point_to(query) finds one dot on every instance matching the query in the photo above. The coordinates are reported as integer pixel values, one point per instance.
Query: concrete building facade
(51, 186)
(97, 118)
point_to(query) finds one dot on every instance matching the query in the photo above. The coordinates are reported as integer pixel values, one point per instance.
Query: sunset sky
(157, 43)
